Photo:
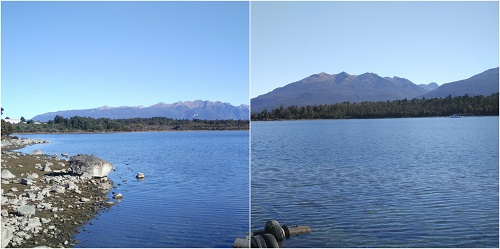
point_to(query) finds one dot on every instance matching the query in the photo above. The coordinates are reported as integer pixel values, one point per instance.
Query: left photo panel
(124, 124)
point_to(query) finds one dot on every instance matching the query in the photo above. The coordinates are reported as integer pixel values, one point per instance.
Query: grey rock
(26, 181)
(6, 174)
(90, 164)
(37, 152)
(32, 223)
(32, 176)
(105, 186)
(25, 210)
(71, 185)
(58, 189)
(7, 234)
(13, 201)
(46, 168)
(139, 175)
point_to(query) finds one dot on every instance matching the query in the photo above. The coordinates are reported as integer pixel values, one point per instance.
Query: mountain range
(326, 88)
(484, 83)
(197, 109)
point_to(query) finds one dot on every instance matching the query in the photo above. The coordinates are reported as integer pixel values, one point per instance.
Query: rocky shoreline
(45, 198)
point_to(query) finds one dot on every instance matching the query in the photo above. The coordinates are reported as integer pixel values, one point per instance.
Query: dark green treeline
(464, 105)
(86, 124)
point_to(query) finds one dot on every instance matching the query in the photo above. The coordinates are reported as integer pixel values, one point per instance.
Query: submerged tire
(270, 241)
(287, 231)
(258, 241)
(273, 227)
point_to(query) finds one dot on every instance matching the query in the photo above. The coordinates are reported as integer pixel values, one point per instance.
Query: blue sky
(421, 41)
(79, 55)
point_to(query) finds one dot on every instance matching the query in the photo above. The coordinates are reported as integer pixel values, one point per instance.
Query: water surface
(416, 182)
(195, 193)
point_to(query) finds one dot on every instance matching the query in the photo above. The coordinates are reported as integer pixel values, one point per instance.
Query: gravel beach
(43, 201)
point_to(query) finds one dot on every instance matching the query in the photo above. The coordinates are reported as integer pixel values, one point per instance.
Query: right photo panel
(374, 124)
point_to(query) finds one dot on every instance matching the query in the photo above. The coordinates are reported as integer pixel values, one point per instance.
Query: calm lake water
(195, 193)
(416, 182)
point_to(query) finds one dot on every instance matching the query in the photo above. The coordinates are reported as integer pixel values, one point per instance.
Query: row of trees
(465, 105)
(86, 124)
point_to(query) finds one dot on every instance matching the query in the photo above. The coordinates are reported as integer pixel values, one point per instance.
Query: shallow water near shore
(415, 182)
(194, 194)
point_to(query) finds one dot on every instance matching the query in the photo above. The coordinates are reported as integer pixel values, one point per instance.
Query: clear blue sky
(79, 55)
(421, 41)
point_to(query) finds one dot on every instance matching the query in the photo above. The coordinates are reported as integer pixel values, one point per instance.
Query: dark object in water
(271, 237)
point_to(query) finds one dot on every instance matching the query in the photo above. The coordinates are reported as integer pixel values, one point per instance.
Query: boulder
(140, 175)
(90, 164)
(6, 174)
(7, 234)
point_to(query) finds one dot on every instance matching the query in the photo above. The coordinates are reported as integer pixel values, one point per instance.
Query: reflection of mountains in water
(198, 109)
(326, 88)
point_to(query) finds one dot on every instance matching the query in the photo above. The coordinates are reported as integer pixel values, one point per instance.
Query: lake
(411, 182)
(195, 193)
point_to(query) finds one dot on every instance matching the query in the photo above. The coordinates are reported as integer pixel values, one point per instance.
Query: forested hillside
(464, 105)
(86, 124)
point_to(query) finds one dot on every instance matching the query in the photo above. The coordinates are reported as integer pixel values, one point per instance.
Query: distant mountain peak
(324, 88)
(200, 109)
(485, 83)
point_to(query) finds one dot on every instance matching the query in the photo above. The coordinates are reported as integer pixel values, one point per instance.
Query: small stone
(71, 185)
(118, 196)
(37, 152)
(26, 181)
(26, 210)
(140, 175)
(46, 168)
(6, 174)
(32, 176)
(58, 189)
(7, 235)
